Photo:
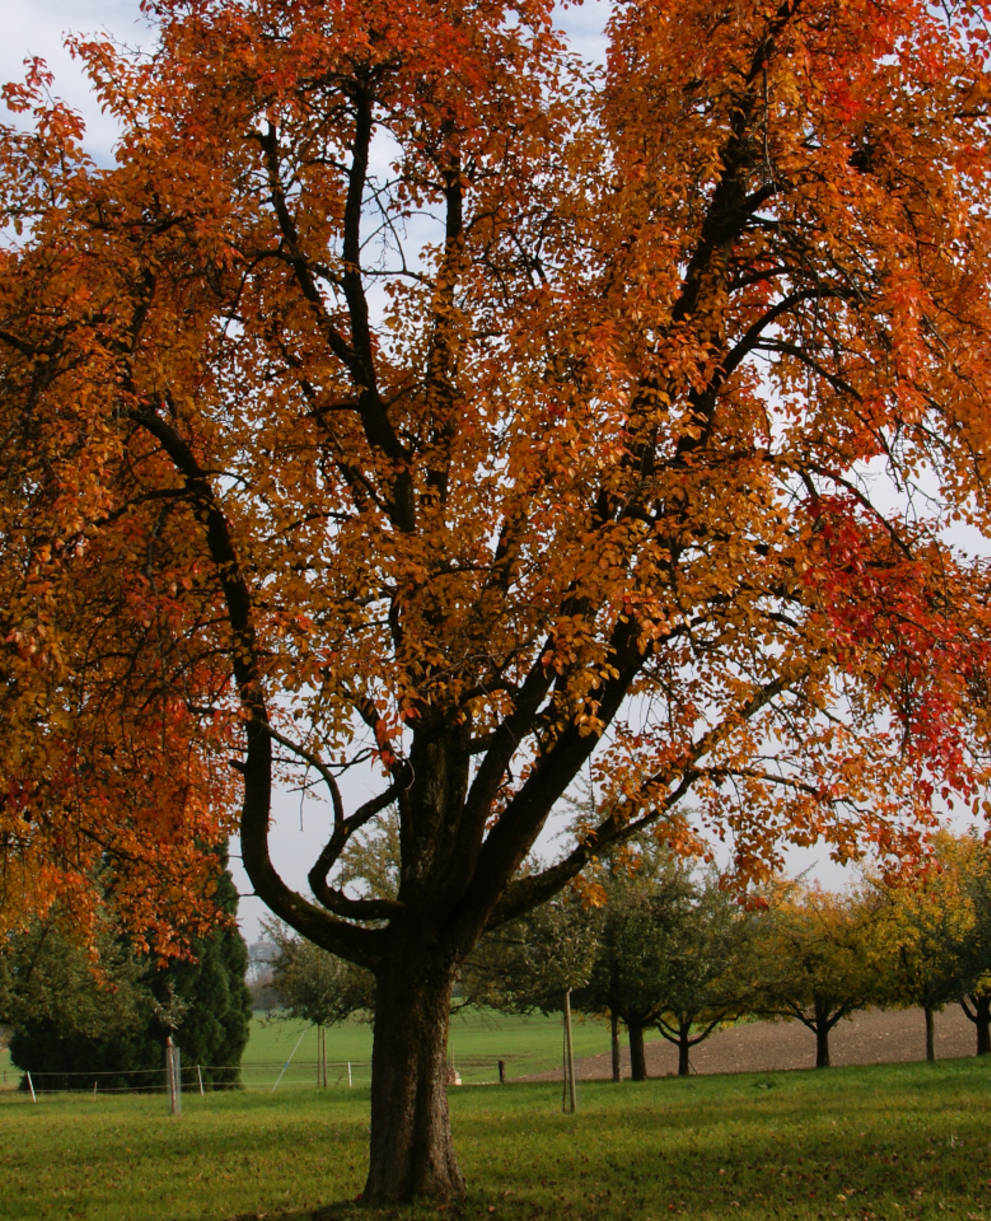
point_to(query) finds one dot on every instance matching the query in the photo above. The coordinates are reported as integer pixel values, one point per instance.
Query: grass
(479, 1039)
(898, 1141)
(286, 1051)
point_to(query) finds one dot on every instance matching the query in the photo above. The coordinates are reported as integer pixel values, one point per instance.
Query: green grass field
(479, 1039)
(286, 1051)
(905, 1141)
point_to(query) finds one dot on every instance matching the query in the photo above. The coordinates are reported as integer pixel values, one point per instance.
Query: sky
(37, 28)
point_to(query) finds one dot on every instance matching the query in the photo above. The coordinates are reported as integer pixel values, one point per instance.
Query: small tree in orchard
(810, 960)
(967, 859)
(315, 985)
(642, 950)
(921, 923)
(530, 963)
(701, 986)
(412, 406)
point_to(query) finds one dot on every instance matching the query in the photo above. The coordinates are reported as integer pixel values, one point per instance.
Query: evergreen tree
(209, 996)
(74, 1020)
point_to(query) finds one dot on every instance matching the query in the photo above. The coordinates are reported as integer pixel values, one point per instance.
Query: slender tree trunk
(638, 1056)
(412, 1153)
(822, 1045)
(617, 1073)
(930, 1033)
(822, 1029)
(684, 1047)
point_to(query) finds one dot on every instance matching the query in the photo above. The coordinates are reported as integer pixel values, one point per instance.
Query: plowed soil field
(871, 1037)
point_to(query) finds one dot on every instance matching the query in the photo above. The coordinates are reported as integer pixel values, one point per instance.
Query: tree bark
(822, 1027)
(411, 1150)
(638, 1056)
(981, 1017)
(822, 1046)
(930, 1033)
(617, 1070)
(684, 1047)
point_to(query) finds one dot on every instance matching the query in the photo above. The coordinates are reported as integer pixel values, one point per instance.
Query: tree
(64, 1017)
(921, 923)
(212, 991)
(666, 942)
(965, 862)
(810, 960)
(315, 985)
(333, 448)
(71, 1013)
(701, 987)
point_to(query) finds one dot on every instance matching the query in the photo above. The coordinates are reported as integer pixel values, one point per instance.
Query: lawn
(904, 1141)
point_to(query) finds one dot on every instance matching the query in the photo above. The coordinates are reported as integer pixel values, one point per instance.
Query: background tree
(701, 986)
(965, 862)
(529, 963)
(71, 1015)
(327, 439)
(66, 1018)
(636, 945)
(212, 988)
(810, 960)
(921, 924)
(315, 985)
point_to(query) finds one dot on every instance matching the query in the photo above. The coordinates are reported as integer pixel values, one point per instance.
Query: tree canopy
(414, 409)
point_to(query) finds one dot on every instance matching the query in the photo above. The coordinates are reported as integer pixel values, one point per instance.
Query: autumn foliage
(413, 409)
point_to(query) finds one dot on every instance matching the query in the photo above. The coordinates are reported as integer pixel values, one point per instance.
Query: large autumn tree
(415, 411)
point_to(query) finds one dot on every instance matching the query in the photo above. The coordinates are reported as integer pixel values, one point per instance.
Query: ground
(871, 1037)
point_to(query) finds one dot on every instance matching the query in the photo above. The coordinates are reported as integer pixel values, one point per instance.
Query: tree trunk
(684, 1047)
(822, 1046)
(981, 1017)
(930, 1033)
(617, 1072)
(411, 1153)
(638, 1057)
(822, 1028)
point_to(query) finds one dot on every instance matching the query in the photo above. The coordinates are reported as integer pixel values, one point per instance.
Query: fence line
(256, 1075)
(198, 1078)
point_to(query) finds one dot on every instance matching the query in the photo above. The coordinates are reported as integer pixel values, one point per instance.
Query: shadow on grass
(354, 1210)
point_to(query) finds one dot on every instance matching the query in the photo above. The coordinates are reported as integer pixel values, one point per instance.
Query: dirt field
(873, 1037)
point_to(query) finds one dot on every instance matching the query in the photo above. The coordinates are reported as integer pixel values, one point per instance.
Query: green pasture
(901, 1141)
(283, 1054)
(478, 1040)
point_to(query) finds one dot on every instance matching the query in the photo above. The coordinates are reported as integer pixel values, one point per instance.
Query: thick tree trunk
(981, 1017)
(617, 1062)
(930, 1033)
(412, 1153)
(638, 1056)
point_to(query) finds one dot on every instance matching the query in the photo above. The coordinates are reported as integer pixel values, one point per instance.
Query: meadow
(904, 1141)
(478, 1040)
(283, 1053)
